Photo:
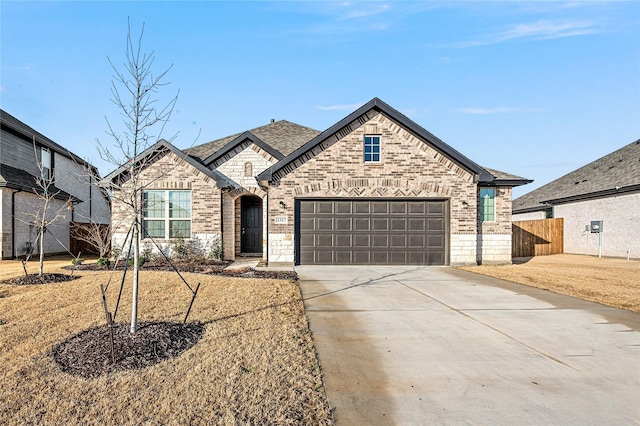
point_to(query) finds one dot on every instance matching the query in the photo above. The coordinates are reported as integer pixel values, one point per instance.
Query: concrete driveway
(431, 345)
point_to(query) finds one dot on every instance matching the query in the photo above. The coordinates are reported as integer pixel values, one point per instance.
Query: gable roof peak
(163, 146)
(377, 104)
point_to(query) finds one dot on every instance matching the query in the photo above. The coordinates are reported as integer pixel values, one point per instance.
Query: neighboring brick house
(375, 188)
(607, 190)
(73, 183)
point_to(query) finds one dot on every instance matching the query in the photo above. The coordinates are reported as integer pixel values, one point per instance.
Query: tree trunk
(136, 269)
(41, 245)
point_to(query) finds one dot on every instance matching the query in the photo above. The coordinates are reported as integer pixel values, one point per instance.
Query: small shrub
(141, 261)
(217, 250)
(77, 261)
(147, 253)
(104, 262)
(179, 249)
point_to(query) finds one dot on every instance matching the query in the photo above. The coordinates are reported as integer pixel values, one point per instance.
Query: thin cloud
(367, 11)
(340, 107)
(540, 30)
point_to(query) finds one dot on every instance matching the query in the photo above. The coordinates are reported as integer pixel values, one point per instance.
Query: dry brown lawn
(612, 282)
(255, 363)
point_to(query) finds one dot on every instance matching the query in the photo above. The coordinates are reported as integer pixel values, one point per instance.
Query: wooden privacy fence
(537, 237)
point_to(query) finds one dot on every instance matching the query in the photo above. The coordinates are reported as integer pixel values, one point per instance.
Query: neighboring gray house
(75, 188)
(374, 188)
(606, 190)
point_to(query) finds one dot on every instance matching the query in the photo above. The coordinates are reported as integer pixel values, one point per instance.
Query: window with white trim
(487, 204)
(166, 214)
(45, 163)
(371, 149)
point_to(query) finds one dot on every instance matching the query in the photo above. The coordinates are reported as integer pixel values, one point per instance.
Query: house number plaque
(281, 220)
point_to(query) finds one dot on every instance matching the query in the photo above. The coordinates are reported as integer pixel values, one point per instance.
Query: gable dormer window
(372, 148)
(45, 163)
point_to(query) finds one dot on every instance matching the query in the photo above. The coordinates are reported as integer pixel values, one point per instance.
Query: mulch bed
(31, 279)
(208, 267)
(88, 354)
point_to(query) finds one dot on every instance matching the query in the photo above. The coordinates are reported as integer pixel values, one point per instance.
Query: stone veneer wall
(409, 169)
(172, 172)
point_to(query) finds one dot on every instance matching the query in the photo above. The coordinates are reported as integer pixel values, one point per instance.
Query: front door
(251, 223)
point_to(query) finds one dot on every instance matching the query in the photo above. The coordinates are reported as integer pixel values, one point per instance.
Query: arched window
(248, 169)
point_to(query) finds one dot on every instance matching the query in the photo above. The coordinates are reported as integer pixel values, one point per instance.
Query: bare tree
(134, 91)
(45, 212)
(97, 235)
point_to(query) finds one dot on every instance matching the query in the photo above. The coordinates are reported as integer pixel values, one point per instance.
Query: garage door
(376, 232)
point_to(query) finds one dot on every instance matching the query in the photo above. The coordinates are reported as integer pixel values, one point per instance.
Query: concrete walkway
(429, 345)
(243, 263)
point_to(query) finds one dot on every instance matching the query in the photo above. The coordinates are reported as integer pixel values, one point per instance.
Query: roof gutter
(604, 193)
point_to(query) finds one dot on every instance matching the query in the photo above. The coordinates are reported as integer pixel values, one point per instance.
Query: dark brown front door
(251, 223)
(372, 232)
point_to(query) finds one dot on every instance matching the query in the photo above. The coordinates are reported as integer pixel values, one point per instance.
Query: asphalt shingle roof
(283, 136)
(613, 172)
(11, 177)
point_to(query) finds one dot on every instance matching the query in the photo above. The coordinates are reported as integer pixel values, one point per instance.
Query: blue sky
(535, 89)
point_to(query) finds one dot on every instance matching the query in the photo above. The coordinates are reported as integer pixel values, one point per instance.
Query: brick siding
(409, 168)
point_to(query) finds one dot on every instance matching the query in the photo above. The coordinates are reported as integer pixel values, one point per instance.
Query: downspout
(222, 220)
(13, 222)
(90, 198)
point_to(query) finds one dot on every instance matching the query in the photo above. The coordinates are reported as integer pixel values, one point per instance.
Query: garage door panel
(398, 258)
(416, 241)
(362, 224)
(362, 240)
(324, 224)
(398, 207)
(379, 207)
(362, 257)
(435, 258)
(343, 224)
(435, 208)
(435, 224)
(380, 224)
(435, 242)
(398, 224)
(342, 240)
(342, 257)
(344, 207)
(379, 241)
(307, 208)
(307, 257)
(417, 208)
(324, 207)
(307, 224)
(398, 241)
(307, 240)
(324, 240)
(324, 257)
(372, 231)
(416, 224)
(379, 257)
(361, 207)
